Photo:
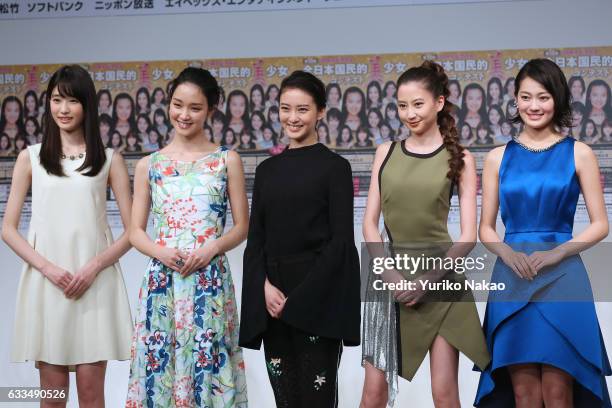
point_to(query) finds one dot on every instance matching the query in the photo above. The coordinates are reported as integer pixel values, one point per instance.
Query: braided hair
(435, 80)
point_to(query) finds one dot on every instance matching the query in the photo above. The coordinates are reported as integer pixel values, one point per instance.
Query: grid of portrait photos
(362, 110)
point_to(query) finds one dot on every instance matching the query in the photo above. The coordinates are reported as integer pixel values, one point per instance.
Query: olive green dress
(415, 200)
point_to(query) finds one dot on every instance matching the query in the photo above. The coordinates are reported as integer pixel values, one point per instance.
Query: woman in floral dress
(185, 349)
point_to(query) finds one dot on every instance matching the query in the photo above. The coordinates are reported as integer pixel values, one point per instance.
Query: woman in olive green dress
(412, 183)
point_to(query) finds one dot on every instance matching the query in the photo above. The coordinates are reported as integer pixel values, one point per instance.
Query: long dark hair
(29, 94)
(482, 111)
(75, 82)
(608, 106)
(131, 120)
(145, 91)
(12, 98)
(363, 119)
(434, 79)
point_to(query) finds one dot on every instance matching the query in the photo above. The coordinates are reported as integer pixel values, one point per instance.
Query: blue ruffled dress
(552, 319)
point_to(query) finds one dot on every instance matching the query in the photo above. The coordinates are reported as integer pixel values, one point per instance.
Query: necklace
(539, 149)
(72, 156)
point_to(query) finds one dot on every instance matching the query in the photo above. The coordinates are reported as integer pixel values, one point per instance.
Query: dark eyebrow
(193, 104)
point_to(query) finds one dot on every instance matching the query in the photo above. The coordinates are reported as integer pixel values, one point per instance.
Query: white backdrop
(509, 25)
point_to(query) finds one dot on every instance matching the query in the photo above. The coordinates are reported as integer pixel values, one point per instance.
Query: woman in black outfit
(300, 292)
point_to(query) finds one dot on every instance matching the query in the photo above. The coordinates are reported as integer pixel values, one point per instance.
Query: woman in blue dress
(545, 343)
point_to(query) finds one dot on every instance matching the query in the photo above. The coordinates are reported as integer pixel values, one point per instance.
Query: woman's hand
(171, 257)
(199, 258)
(58, 276)
(82, 280)
(411, 297)
(542, 259)
(275, 299)
(519, 263)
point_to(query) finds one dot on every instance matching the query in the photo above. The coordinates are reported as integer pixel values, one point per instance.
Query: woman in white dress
(72, 309)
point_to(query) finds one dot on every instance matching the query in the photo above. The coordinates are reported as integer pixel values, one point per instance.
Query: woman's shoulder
(34, 148)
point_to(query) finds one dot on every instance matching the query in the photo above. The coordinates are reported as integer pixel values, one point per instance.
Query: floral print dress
(185, 349)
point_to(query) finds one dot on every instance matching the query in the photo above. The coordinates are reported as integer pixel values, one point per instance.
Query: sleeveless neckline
(541, 149)
(420, 155)
(159, 153)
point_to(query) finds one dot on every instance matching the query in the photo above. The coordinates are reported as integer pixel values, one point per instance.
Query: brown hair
(433, 77)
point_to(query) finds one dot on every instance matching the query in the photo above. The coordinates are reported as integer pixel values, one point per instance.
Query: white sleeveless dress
(69, 227)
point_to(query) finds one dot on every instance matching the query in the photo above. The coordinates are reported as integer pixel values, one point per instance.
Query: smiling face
(322, 133)
(333, 96)
(245, 138)
(454, 91)
(373, 119)
(158, 97)
(124, 109)
(494, 117)
(354, 102)
(273, 116)
(273, 94)
(418, 109)
(373, 94)
(256, 122)
(188, 110)
(143, 101)
(67, 112)
(577, 117)
(237, 106)
(299, 115)
(131, 140)
(535, 104)
(385, 131)
(256, 97)
(482, 133)
(104, 129)
(30, 127)
(576, 90)
(346, 134)
(116, 139)
(153, 136)
(333, 123)
(267, 134)
(142, 125)
(362, 136)
(473, 100)
(217, 126)
(494, 91)
(589, 129)
(30, 104)
(5, 142)
(390, 90)
(230, 137)
(104, 102)
(599, 97)
(12, 112)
